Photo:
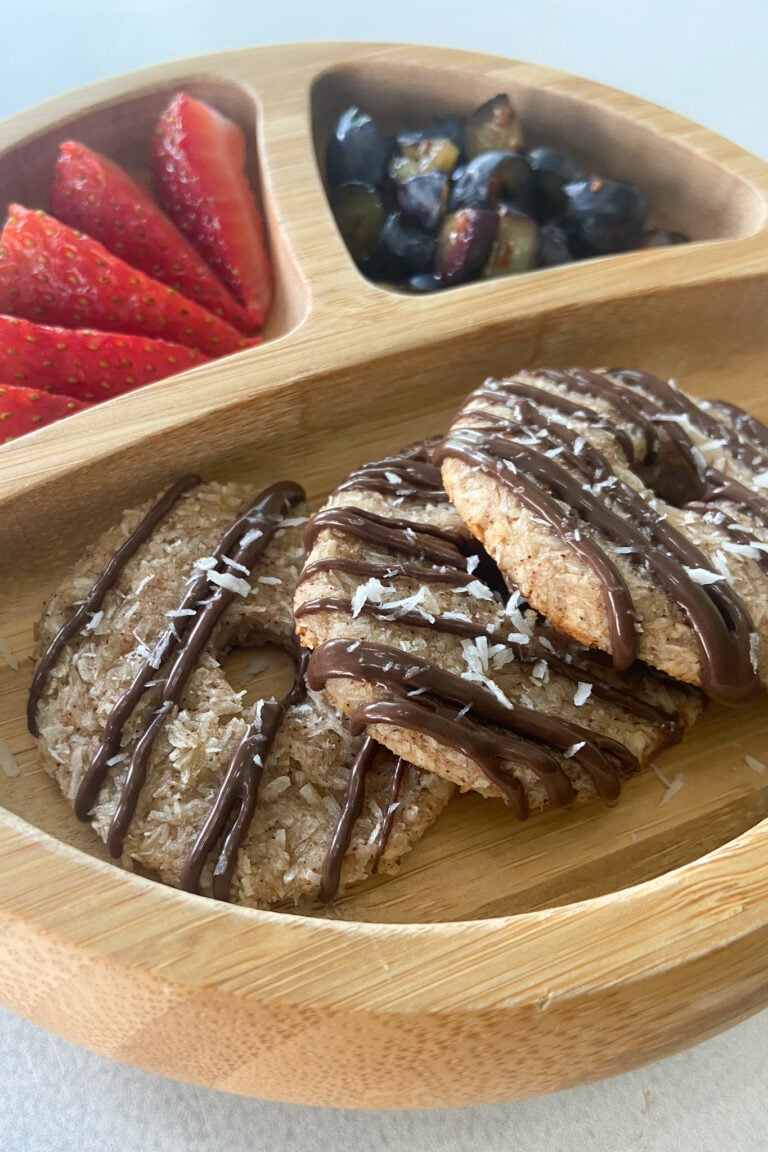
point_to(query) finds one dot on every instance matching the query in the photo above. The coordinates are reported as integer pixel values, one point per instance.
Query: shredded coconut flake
(754, 651)
(472, 563)
(746, 550)
(574, 748)
(8, 760)
(540, 672)
(407, 604)
(372, 590)
(7, 655)
(516, 616)
(754, 764)
(230, 563)
(272, 580)
(582, 694)
(95, 620)
(703, 575)
(250, 536)
(269, 792)
(205, 563)
(232, 583)
(143, 583)
(672, 787)
(476, 588)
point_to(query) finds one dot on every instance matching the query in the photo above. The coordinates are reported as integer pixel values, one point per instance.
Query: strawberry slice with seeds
(52, 274)
(198, 160)
(93, 194)
(23, 410)
(86, 364)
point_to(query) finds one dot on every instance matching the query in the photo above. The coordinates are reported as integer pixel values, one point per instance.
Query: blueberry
(553, 246)
(357, 151)
(603, 216)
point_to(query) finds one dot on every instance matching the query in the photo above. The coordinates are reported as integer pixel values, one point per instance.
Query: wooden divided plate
(505, 959)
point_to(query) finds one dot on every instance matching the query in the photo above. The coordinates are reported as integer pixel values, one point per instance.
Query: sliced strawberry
(93, 194)
(198, 159)
(53, 275)
(83, 363)
(23, 410)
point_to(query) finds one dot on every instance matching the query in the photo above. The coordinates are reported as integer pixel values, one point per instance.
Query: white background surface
(705, 59)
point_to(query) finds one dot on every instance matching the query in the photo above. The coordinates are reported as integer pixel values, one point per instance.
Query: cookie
(264, 804)
(632, 516)
(411, 639)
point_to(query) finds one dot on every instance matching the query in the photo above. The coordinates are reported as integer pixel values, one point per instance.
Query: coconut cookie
(631, 515)
(412, 642)
(263, 804)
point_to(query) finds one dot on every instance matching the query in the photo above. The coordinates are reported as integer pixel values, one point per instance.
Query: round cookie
(415, 645)
(632, 516)
(263, 804)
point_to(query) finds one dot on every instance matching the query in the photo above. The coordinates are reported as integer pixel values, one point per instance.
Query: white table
(704, 59)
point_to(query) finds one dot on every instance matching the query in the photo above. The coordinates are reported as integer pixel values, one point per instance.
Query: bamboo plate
(505, 959)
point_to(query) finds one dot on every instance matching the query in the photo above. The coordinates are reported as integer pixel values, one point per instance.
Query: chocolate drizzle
(95, 598)
(423, 541)
(529, 653)
(534, 455)
(232, 811)
(448, 708)
(350, 811)
(181, 643)
(407, 476)
(163, 677)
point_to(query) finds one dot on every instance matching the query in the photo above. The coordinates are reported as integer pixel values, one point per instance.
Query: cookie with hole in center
(630, 514)
(414, 639)
(266, 803)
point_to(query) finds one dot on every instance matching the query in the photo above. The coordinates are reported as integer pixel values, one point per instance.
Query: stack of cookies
(530, 607)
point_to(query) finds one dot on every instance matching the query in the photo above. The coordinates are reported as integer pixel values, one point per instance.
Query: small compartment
(121, 130)
(686, 191)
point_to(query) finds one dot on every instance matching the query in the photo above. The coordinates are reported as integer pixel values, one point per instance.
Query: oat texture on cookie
(632, 515)
(267, 804)
(414, 640)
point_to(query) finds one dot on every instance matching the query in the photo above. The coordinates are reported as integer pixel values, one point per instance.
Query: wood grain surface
(506, 959)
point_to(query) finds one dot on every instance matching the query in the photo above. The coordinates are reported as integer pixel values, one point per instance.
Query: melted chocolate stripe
(747, 426)
(264, 517)
(235, 802)
(95, 598)
(670, 399)
(481, 749)
(461, 445)
(371, 568)
(593, 384)
(506, 392)
(720, 621)
(413, 478)
(404, 674)
(524, 654)
(390, 808)
(350, 811)
(404, 536)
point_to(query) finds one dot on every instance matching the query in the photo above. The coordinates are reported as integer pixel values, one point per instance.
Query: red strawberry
(83, 363)
(93, 194)
(198, 157)
(53, 275)
(23, 410)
